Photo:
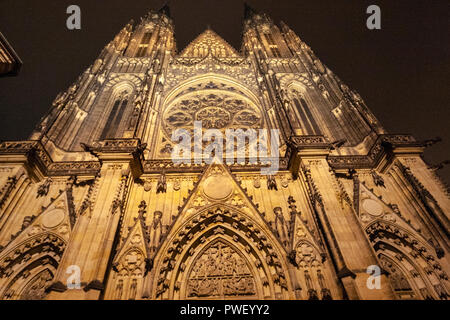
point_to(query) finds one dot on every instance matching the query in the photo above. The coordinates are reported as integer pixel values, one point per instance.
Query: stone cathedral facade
(93, 207)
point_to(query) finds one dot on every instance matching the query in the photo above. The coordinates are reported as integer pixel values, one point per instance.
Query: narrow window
(310, 116)
(308, 122)
(115, 116)
(143, 46)
(272, 45)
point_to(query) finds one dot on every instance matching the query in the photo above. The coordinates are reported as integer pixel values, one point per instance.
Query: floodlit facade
(92, 205)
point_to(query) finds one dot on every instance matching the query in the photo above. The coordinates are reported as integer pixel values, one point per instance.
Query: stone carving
(181, 69)
(207, 43)
(215, 240)
(312, 293)
(212, 190)
(257, 183)
(281, 226)
(271, 183)
(161, 186)
(377, 179)
(398, 281)
(384, 236)
(156, 231)
(371, 159)
(121, 40)
(177, 185)
(7, 189)
(35, 290)
(155, 166)
(220, 272)
(44, 188)
(306, 256)
(326, 293)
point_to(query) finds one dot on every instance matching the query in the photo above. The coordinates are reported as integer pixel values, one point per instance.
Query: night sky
(401, 71)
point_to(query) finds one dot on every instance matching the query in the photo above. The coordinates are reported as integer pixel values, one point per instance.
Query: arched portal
(30, 267)
(221, 253)
(424, 271)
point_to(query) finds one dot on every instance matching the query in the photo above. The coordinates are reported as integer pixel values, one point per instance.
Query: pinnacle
(248, 11)
(165, 9)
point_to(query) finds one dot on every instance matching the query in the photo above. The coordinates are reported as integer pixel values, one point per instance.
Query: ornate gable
(35, 252)
(54, 219)
(217, 185)
(207, 43)
(219, 217)
(134, 250)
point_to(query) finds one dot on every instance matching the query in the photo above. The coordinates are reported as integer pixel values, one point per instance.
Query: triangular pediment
(373, 211)
(217, 208)
(372, 208)
(209, 43)
(133, 255)
(54, 219)
(217, 185)
(137, 238)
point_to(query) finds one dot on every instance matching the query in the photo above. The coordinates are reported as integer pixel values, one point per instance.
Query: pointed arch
(412, 254)
(313, 274)
(218, 101)
(23, 262)
(105, 105)
(226, 83)
(400, 278)
(117, 104)
(307, 115)
(128, 276)
(264, 254)
(220, 270)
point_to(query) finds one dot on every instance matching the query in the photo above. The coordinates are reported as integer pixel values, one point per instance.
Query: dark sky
(402, 71)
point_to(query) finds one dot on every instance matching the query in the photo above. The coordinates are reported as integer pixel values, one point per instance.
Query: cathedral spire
(248, 11)
(165, 9)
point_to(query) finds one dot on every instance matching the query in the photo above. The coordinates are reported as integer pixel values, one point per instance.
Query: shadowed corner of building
(10, 62)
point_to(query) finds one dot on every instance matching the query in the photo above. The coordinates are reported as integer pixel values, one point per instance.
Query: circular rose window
(215, 111)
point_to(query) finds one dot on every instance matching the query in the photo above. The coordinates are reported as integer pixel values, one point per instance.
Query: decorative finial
(165, 9)
(248, 11)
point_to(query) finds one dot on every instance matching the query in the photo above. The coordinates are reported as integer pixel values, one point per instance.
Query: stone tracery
(215, 110)
(212, 229)
(394, 243)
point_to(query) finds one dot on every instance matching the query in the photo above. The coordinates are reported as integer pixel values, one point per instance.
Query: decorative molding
(35, 156)
(383, 145)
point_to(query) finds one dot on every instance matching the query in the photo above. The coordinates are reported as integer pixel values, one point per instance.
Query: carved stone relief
(220, 272)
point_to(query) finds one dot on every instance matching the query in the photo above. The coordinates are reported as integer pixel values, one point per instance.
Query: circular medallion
(372, 207)
(213, 117)
(217, 187)
(53, 218)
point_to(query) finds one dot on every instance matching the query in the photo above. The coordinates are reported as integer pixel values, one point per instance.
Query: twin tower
(93, 207)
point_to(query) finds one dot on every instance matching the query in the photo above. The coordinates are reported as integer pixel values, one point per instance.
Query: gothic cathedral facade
(93, 207)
